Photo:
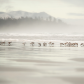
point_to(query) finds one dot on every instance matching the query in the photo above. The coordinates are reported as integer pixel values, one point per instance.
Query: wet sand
(22, 78)
(80, 69)
(41, 65)
(3, 81)
(74, 80)
(7, 68)
(78, 59)
(37, 61)
(13, 75)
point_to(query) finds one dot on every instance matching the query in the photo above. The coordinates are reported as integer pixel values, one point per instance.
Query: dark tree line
(28, 21)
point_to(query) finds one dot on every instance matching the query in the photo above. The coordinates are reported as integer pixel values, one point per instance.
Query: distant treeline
(28, 21)
(29, 24)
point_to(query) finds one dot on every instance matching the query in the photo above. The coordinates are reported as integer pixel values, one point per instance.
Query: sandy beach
(74, 80)
(41, 65)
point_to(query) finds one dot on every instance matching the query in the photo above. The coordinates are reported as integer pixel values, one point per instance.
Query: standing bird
(82, 44)
(32, 43)
(24, 43)
(62, 44)
(44, 44)
(3, 43)
(9, 43)
(39, 44)
(51, 44)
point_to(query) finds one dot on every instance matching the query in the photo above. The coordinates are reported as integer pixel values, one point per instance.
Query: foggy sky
(63, 9)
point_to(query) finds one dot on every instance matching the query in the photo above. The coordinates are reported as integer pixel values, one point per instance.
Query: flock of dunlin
(51, 44)
(39, 44)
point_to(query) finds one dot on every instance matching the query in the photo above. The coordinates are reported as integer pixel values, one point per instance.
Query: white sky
(65, 9)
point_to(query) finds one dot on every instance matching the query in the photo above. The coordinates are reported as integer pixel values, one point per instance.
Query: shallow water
(41, 65)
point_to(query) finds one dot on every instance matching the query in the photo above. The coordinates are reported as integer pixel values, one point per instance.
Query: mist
(42, 28)
(27, 22)
(30, 25)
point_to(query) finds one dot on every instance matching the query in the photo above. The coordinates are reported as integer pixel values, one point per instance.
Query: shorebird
(62, 44)
(82, 44)
(9, 43)
(39, 44)
(51, 44)
(44, 44)
(32, 43)
(3, 43)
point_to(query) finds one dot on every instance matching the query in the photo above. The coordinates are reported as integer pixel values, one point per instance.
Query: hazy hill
(26, 21)
(19, 14)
